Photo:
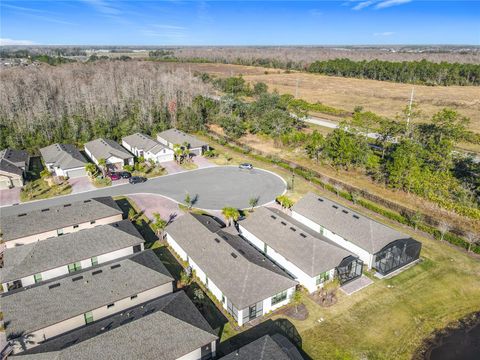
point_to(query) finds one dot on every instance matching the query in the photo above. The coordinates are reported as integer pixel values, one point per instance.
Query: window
(110, 306)
(133, 297)
(265, 248)
(279, 297)
(320, 279)
(94, 261)
(17, 284)
(223, 299)
(206, 281)
(37, 278)
(75, 226)
(74, 267)
(92, 222)
(88, 317)
(59, 232)
(137, 248)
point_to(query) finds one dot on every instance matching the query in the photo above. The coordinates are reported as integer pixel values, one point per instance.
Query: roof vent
(234, 255)
(116, 224)
(356, 216)
(53, 286)
(87, 201)
(241, 251)
(115, 266)
(303, 235)
(335, 206)
(345, 211)
(97, 272)
(283, 222)
(292, 228)
(273, 217)
(19, 215)
(43, 210)
(77, 278)
(320, 199)
(67, 205)
(218, 241)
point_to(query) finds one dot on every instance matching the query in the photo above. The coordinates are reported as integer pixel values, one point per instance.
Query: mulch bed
(323, 301)
(299, 312)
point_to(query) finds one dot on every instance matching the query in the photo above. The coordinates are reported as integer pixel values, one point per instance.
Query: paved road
(214, 187)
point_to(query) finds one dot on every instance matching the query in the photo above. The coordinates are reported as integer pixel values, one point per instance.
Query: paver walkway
(150, 204)
(356, 285)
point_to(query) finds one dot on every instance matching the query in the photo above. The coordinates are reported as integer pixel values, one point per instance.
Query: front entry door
(253, 312)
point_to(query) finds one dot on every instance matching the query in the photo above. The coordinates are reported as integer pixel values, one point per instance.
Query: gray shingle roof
(42, 306)
(144, 142)
(275, 347)
(310, 252)
(359, 229)
(64, 156)
(245, 277)
(175, 136)
(57, 217)
(16, 157)
(104, 148)
(8, 167)
(164, 329)
(51, 253)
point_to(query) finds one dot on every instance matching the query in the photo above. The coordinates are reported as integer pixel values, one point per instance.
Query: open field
(381, 97)
(390, 318)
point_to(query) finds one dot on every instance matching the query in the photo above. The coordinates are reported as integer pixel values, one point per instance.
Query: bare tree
(443, 227)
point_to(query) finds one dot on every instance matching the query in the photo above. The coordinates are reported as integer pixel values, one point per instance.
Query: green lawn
(382, 321)
(39, 189)
(188, 165)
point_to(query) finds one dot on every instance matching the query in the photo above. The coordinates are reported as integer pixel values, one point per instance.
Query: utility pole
(410, 110)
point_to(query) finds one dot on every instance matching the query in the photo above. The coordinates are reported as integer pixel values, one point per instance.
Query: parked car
(125, 174)
(246, 166)
(136, 179)
(114, 176)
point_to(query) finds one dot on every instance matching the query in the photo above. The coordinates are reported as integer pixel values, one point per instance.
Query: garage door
(163, 158)
(4, 183)
(196, 151)
(76, 173)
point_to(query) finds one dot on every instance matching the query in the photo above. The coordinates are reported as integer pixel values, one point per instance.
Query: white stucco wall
(363, 254)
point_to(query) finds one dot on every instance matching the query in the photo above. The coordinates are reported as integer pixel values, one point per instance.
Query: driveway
(9, 196)
(212, 188)
(202, 162)
(172, 167)
(151, 204)
(81, 184)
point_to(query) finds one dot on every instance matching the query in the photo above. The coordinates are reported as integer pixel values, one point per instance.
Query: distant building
(27, 227)
(64, 160)
(246, 283)
(309, 257)
(167, 328)
(116, 157)
(51, 258)
(275, 347)
(56, 307)
(13, 167)
(143, 145)
(379, 246)
(173, 137)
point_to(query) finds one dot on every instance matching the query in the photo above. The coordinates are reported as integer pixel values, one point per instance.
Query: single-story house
(309, 257)
(166, 328)
(58, 256)
(64, 160)
(27, 227)
(116, 157)
(174, 137)
(274, 347)
(13, 167)
(56, 307)
(379, 246)
(143, 145)
(246, 283)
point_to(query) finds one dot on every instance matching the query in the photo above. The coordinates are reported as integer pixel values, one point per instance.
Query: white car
(246, 166)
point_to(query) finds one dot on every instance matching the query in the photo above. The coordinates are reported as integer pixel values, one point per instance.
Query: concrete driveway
(172, 167)
(212, 188)
(81, 184)
(151, 204)
(202, 162)
(9, 196)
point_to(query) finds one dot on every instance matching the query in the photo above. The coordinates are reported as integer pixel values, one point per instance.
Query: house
(246, 283)
(56, 307)
(379, 246)
(13, 167)
(64, 160)
(116, 157)
(166, 328)
(309, 257)
(275, 347)
(27, 227)
(143, 145)
(58, 256)
(173, 137)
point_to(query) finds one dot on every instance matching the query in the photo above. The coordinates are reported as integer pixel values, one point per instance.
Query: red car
(114, 176)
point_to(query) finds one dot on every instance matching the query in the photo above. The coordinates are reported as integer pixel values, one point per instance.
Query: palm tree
(186, 150)
(178, 152)
(91, 169)
(230, 213)
(159, 225)
(253, 202)
(103, 165)
(284, 201)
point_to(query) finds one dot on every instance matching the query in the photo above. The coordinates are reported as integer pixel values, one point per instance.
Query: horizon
(240, 24)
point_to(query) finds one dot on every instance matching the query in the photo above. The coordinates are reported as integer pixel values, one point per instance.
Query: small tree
(415, 219)
(185, 278)
(91, 169)
(188, 201)
(159, 225)
(471, 238)
(103, 165)
(296, 299)
(354, 195)
(443, 227)
(253, 202)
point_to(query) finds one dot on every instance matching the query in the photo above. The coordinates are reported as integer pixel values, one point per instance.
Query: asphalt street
(212, 188)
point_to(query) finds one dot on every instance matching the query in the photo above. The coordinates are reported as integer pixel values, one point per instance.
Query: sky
(137, 22)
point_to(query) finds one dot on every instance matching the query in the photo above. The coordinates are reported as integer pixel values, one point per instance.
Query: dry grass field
(384, 98)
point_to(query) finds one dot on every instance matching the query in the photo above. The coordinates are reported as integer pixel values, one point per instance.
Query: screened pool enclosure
(349, 269)
(396, 254)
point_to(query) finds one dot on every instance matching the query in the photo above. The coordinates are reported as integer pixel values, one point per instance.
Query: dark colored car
(114, 176)
(136, 180)
(246, 166)
(125, 174)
